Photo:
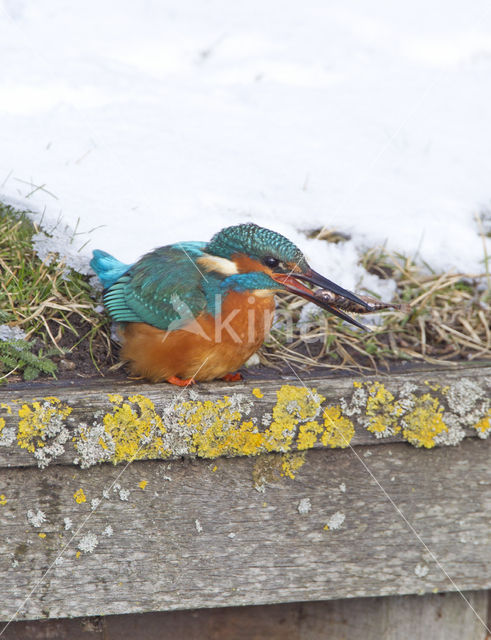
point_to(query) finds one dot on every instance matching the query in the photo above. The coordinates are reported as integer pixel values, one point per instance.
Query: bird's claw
(232, 377)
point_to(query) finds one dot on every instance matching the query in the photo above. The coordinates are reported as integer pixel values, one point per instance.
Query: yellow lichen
(357, 384)
(291, 463)
(42, 535)
(77, 555)
(143, 484)
(134, 433)
(217, 427)
(36, 418)
(257, 392)
(214, 469)
(339, 430)
(79, 496)
(7, 408)
(295, 405)
(307, 434)
(424, 422)
(2, 424)
(3, 499)
(436, 387)
(382, 411)
(483, 426)
(115, 398)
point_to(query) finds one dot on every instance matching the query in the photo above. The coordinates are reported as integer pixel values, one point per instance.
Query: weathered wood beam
(443, 616)
(196, 533)
(119, 421)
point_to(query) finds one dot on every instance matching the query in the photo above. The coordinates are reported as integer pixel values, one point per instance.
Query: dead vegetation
(446, 317)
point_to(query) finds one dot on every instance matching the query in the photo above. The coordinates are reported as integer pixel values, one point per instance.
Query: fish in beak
(330, 296)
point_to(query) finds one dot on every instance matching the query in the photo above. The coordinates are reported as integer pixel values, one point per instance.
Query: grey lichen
(468, 400)
(36, 518)
(88, 542)
(335, 521)
(304, 506)
(55, 435)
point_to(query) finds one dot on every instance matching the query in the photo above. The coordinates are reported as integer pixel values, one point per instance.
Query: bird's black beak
(315, 278)
(292, 284)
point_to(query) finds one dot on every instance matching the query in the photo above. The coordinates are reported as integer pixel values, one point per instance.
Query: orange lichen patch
(338, 430)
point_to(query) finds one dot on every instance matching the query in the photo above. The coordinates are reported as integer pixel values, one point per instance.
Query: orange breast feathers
(208, 348)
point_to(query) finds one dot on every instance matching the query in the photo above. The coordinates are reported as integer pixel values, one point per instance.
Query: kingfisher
(196, 311)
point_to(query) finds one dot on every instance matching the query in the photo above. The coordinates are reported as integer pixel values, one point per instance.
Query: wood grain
(195, 533)
(460, 397)
(445, 616)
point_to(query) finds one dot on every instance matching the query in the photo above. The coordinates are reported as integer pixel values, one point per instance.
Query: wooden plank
(194, 533)
(118, 421)
(445, 616)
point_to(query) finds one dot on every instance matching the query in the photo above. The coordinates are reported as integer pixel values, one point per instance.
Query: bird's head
(248, 248)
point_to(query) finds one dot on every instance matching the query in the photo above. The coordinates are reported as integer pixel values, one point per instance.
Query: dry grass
(51, 304)
(448, 319)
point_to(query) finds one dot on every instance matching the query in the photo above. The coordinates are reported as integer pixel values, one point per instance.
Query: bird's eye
(269, 261)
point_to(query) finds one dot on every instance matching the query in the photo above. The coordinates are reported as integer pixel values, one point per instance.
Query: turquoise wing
(163, 289)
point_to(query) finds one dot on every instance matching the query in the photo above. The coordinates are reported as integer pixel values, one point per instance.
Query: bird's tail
(107, 268)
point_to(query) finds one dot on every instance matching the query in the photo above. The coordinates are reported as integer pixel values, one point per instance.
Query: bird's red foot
(232, 377)
(180, 382)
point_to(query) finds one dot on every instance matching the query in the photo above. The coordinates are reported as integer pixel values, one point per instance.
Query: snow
(154, 122)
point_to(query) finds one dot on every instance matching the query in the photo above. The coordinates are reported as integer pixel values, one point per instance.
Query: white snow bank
(162, 121)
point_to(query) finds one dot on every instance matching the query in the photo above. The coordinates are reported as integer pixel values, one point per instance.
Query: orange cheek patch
(247, 265)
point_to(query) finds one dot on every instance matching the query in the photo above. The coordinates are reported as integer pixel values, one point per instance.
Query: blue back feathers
(167, 287)
(107, 268)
